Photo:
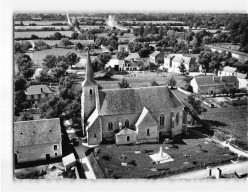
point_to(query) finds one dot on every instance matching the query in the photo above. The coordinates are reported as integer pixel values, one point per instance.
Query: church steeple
(89, 75)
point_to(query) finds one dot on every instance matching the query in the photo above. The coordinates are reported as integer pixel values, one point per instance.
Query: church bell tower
(88, 98)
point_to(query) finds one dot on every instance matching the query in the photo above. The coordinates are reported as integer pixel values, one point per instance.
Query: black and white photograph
(126, 90)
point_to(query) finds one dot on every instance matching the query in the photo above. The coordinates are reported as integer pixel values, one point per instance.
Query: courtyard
(190, 152)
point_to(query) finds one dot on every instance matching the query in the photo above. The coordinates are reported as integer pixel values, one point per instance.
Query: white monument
(161, 157)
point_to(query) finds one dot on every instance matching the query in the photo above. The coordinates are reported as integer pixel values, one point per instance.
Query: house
(173, 61)
(69, 161)
(132, 56)
(109, 111)
(228, 71)
(86, 43)
(116, 64)
(156, 57)
(122, 48)
(37, 140)
(36, 92)
(243, 80)
(213, 84)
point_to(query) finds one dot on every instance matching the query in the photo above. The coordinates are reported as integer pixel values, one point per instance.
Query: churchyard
(190, 152)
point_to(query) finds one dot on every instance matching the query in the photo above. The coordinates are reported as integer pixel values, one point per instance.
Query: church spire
(89, 74)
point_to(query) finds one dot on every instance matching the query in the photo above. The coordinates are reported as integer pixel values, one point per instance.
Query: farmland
(27, 34)
(141, 166)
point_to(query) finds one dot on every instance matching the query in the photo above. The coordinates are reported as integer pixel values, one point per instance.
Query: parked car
(74, 141)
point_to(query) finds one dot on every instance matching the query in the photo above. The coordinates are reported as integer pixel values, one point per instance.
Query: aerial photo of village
(130, 95)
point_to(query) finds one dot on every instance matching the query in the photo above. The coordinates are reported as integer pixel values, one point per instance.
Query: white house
(116, 64)
(173, 61)
(156, 57)
(228, 71)
(243, 80)
(213, 84)
(36, 92)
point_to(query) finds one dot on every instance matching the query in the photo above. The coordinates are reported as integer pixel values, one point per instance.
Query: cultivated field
(141, 165)
(159, 22)
(127, 36)
(27, 34)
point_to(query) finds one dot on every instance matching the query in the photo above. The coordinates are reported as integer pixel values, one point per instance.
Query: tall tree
(71, 58)
(124, 83)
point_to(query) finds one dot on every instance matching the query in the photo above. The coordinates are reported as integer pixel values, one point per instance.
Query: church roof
(126, 131)
(132, 100)
(89, 77)
(35, 132)
(146, 118)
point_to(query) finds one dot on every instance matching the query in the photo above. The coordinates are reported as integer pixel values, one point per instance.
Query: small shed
(126, 136)
(69, 161)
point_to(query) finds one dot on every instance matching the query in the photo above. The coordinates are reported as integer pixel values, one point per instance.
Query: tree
(225, 91)
(40, 44)
(59, 70)
(53, 107)
(193, 107)
(204, 59)
(20, 102)
(79, 46)
(124, 83)
(26, 117)
(104, 58)
(141, 30)
(57, 36)
(71, 58)
(65, 42)
(49, 61)
(34, 37)
(182, 68)
(20, 83)
(233, 91)
(144, 52)
(25, 65)
(172, 82)
(66, 88)
(74, 35)
(154, 83)
(121, 55)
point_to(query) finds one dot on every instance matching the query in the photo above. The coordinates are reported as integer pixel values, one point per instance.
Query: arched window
(162, 120)
(110, 126)
(148, 132)
(177, 118)
(90, 91)
(128, 138)
(127, 123)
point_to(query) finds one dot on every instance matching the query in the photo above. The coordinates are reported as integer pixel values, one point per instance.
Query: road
(240, 167)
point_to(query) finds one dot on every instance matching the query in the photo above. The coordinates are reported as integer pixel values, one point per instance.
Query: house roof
(155, 53)
(210, 80)
(132, 100)
(241, 75)
(113, 62)
(36, 132)
(126, 131)
(38, 89)
(132, 56)
(146, 118)
(180, 58)
(69, 159)
(229, 69)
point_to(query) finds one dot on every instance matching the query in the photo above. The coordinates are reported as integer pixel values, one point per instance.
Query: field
(126, 36)
(232, 120)
(43, 23)
(159, 22)
(141, 165)
(140, 80)
(27, 34)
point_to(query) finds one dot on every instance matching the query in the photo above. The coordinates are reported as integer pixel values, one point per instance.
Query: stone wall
(37, 152)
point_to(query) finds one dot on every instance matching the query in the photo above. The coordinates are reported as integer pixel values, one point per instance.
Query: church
(129, 115)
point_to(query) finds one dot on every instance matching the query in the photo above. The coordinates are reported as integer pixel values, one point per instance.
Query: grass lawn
(232, 120)
(141, 165)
